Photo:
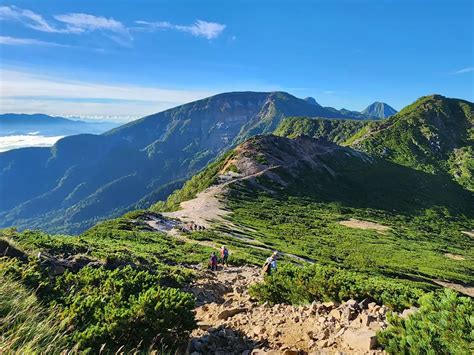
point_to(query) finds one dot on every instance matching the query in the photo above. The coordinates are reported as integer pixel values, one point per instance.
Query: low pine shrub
(298, 285)
(124, 306)
(107, 309)
(443, 324)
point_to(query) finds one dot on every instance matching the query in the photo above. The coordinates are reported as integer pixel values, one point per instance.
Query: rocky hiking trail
(231, 322)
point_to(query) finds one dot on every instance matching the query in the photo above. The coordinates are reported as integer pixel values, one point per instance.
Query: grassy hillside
(299, 210)
(337, 131)
(435, 134)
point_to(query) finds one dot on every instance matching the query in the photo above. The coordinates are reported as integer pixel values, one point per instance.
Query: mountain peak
(311, 101)
(379, 110)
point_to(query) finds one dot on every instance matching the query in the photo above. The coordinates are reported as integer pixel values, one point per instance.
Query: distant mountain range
(377, 110)
(86, 178)
(40, 124)
(434, 135)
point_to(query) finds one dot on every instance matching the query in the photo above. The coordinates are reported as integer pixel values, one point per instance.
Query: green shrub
(124, 306)
(443, 325)
(117, 307)
(298, 285)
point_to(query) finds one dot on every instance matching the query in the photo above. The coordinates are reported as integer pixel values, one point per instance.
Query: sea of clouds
(29, 140)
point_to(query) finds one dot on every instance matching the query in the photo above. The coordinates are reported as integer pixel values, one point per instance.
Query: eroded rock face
(231, 322)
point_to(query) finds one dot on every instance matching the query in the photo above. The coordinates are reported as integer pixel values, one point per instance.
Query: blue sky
(126, 59)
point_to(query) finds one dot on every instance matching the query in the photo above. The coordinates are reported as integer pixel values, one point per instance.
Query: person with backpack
(270, 264)
(213, 261)
(224, 255)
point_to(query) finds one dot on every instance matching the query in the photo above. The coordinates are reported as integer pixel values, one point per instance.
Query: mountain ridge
(47, 125)
(434, 134)
(75, 187)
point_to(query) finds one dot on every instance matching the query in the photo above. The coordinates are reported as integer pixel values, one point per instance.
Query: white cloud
(75, 23)
(21, 141)
(28, 18)
(80, 23)
(464, 70)
(209, 30)
(14, 41)
(28, 92)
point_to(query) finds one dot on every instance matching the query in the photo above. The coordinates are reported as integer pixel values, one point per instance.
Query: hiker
(213, 261)
(224, 255)
(270, 264)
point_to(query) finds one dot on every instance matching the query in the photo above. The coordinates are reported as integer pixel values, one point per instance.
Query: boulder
(336, 314)
(408, 312)
(6, 249)
(329, 305)
(340, 332)
(56, 269)
(258, 330)
(363, 320)
(324, 334)
(227, 313)
(364, 303)
(314, 307)
(204, 326)
(371, 305)
(360, 339)
(352, 304)
(349, 314)
(322, 343)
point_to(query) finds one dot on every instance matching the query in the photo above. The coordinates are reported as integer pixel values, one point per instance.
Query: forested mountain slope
(83, 179)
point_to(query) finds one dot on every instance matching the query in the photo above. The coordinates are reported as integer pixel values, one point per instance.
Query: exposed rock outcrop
(231, 322)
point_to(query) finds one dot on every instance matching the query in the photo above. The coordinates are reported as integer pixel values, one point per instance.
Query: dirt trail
(457, 287)
(231, 322)
(206, 207)
(202, 210)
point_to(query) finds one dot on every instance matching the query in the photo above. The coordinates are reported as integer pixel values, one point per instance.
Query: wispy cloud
(209, 30)
(80, 23)
(464, 70)
(28, 92)
(14, 41)
(26, 17)
(72, 23)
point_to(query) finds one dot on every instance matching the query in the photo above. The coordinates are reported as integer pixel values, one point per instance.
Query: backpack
(226, 253)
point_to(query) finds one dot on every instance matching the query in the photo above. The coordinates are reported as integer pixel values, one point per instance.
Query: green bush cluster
(123, 306)
(117, 307)
(299, 285)
(337, 131)
(443, 325)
